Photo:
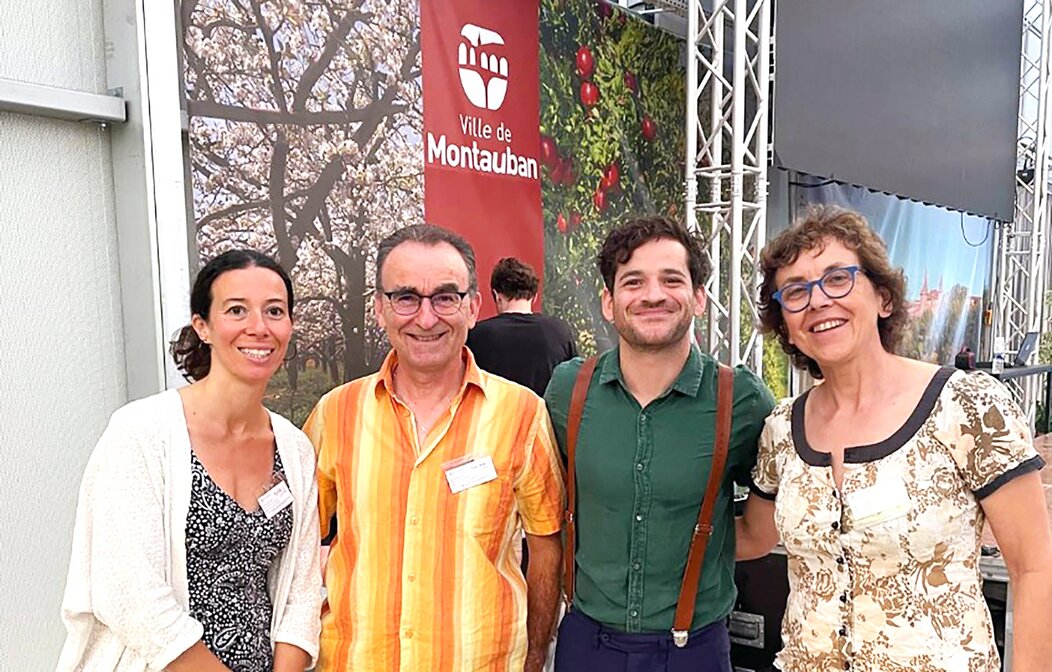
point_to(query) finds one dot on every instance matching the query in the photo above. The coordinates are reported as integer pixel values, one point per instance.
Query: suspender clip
(679, 638)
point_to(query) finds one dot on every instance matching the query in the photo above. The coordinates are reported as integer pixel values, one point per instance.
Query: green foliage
(591, 139)
(296, 402)
(775, 368)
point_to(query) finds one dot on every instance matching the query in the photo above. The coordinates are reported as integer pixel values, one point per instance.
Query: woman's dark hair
(192, 355)
(817, 226)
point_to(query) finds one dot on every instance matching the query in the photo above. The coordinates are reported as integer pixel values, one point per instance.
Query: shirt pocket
(484, 513)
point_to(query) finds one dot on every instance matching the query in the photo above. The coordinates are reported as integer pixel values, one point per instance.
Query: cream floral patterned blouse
(884, 576)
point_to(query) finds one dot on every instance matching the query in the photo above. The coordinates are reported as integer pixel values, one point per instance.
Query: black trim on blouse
(1035, 463)
(770, 497)
(873, 451)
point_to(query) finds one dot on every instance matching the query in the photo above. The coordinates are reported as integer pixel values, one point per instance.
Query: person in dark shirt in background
(519, 344)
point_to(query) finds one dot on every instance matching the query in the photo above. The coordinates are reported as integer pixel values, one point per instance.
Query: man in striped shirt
(431, 466)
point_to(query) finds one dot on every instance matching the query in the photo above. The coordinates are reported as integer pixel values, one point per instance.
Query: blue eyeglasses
(836, 284)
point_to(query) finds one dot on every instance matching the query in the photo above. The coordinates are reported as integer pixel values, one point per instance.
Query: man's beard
(643, 342)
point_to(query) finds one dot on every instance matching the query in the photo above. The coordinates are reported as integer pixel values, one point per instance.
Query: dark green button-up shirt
(641, 475)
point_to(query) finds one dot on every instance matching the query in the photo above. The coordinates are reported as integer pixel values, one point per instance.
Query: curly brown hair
(811, 231)
(622, 241)
(514, 279)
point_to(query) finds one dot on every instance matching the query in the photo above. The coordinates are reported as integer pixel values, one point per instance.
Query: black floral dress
(229, 552)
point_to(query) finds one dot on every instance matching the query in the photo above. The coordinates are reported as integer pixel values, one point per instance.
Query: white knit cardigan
(126, 605)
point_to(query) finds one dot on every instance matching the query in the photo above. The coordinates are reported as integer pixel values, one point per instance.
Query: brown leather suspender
(699, 542)
(573, 423)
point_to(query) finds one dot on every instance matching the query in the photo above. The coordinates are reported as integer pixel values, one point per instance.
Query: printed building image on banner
(612, 145)
(305, 144)
(481, 170)
(946, 259)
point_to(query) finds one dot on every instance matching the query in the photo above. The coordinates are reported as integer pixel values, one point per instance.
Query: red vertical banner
(481, 135)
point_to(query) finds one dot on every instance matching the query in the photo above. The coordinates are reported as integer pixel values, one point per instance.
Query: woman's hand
(198, 658)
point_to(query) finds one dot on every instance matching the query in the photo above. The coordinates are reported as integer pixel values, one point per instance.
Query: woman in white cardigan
(196, 540)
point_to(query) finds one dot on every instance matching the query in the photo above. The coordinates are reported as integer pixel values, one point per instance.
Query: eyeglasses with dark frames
(836, 283)
(407, 302)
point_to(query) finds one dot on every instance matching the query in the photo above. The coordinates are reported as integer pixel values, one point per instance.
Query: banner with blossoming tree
(317, 128)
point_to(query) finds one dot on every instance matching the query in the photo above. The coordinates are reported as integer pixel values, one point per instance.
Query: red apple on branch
(611, 178)
(649, 128)
(560, 223)
(599, 200)
(585, 62)
(589, 94)
(558, 171)
(568, 175)
(549, 152)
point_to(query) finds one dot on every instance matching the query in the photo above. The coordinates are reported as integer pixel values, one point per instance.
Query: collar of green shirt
(687, 383)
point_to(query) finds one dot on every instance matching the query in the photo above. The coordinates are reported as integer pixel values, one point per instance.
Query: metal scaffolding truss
(1021, 265)
(728, 85)
(729, 46)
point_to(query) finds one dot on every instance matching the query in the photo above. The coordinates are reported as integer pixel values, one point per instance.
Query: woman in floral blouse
(879, 479)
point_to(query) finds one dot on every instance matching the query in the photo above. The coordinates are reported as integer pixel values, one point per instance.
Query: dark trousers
(587, 646)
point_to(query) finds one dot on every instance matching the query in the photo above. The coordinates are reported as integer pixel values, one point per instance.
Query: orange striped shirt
(419, 578)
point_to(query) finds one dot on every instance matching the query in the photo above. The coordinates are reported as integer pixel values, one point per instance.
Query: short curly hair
(622, 241)
(817, 226)
(514, 279)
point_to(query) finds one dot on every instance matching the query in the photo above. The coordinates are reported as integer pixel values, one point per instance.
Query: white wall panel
(53, 42)
(62, 367)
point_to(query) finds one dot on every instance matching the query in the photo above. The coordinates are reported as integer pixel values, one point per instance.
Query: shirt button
(413, 520)
(408, 633)
(636, 566)
(639, 517)
(411, 577)
(634, 613)
(639, 466)
(836, 525)
(843, 597)
(840, 560)
(843, 632)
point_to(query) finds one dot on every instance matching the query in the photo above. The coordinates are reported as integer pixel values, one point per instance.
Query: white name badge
(274, 500)
(468, 472)
(879, 503)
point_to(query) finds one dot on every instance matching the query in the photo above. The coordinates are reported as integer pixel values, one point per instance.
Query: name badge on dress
(469, 471)
(274, 500)
(879, 503)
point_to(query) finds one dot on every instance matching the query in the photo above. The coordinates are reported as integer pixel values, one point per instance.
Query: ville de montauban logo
(478, 63)
(484, 77)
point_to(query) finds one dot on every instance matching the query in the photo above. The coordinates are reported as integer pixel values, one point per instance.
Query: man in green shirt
(643, 456)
